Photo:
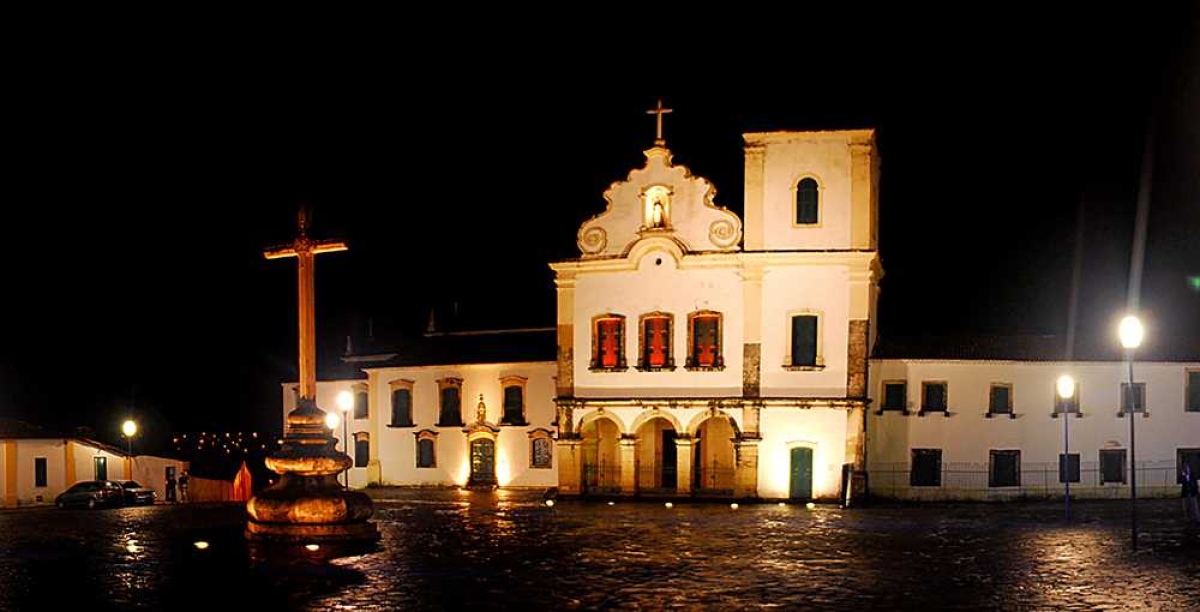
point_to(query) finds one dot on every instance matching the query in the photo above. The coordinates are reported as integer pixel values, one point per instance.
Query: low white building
(38, 464)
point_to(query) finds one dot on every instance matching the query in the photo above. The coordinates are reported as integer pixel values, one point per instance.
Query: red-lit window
(706, 340)
(608, 342)
(656, 341)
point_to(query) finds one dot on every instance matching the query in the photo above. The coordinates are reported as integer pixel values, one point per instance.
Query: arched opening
(714, 457)
(601, 457)
(657, 460)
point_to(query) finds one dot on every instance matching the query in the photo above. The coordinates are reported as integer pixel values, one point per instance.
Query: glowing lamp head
(332, 420)
(1066, 386)
(1131, 332)
(345, 401)
(129, 428)
(550, 503)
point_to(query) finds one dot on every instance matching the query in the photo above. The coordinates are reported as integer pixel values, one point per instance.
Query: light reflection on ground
(449, 550)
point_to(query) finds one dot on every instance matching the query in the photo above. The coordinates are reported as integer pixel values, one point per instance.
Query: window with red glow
(608, 341)
(656, 342)
(706, 340)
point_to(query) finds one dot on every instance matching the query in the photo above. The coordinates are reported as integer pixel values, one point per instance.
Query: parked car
(91, 493)
(136, 494)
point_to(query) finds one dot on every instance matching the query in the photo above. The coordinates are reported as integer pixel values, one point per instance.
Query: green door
(802, 471)
(101, 467)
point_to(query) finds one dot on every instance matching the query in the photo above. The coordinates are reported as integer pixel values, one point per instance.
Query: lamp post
(129, 428)
(1066, 390)
(345, 402)
(1131, 333)
(331, 421)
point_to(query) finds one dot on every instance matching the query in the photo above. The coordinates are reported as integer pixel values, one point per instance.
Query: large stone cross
(660, 111)
(305, 250)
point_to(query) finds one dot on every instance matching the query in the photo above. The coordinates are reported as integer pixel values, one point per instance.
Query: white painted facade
(968, 434)
(742, 426)
(393, 450)
(67, 462)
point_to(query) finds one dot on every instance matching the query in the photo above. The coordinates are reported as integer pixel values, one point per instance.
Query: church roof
(518, 345)
(1019, 348)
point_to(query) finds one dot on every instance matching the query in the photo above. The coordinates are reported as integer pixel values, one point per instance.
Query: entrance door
(802, 471)
(100, 467)
(483, 463)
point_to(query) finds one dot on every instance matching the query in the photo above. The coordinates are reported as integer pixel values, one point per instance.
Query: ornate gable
(660, 199)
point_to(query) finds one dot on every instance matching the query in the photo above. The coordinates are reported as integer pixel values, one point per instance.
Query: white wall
(968, 435)
(827, 161)
(150, 472)
(659, 287)
(822, 429)
(816, 288)
(394, 448)
(27, 452)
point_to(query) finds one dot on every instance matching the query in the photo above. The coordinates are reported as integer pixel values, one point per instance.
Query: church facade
(700, 354)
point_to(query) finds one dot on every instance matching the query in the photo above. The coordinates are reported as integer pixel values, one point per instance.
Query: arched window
(402, 415)
(362, 449)
(426, 449)
(807, 206)
(514, 400)
(704, 340)
(450, 394)
(656, 342)
(608, 342)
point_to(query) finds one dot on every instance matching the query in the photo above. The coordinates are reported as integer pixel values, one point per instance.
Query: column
(10, 473)
(746, 478)
(69, 458)
(752, 277)
(569, 466)
(753, 229)
(683, 457)
(628, 465)
(565, 381)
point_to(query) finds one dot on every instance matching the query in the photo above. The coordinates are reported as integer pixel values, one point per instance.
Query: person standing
(183, 487)
(171, 488)
(1190, 493)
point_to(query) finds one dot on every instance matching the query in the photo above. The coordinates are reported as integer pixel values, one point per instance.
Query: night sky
(145, 176)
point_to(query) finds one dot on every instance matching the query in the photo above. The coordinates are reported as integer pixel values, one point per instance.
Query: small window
(450, 395)
(1139, 398)
(39, 471)
(1000, 399)
(926, 467)
(806, 202)
(804, 340)
(542, 453)
(706, 341)
(656, 342)
(425, 453)
(1068, 467)
(362, 449)
(514, 405)
(1193, 391)
(402, 407)
(608, 343)
(1112, 465)
(100, 467)
(1005, 468)
(895, 396)
(933, 397)
(1069, 405)
(360, 405)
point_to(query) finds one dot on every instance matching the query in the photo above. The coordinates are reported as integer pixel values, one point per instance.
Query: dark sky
(145, 175)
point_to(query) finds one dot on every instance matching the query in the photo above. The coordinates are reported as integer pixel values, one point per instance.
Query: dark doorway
(483, 464)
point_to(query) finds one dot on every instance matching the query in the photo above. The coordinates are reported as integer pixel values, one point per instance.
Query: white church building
(699, 354)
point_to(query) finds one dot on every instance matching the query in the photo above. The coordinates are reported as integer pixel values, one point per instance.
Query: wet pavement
(451, 550)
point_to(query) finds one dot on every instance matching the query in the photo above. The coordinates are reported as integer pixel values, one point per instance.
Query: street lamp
(345, 402)
(1066, 391)
(129, 428)
(1131, 333)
